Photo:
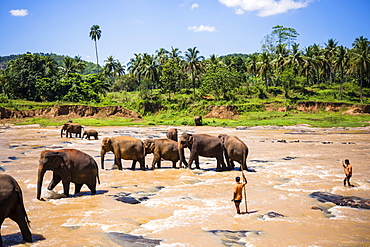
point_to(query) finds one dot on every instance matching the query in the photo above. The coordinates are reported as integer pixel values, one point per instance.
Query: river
(182, 207)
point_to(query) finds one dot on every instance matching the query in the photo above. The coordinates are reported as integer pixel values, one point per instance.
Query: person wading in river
(238, 195)
(348, 171)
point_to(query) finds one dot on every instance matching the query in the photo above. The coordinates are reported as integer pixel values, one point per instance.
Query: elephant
(172, 134)
(124, 147)
(165, 148)
(198, 120)
(11, 206)
(202, 145)
(89, 133)
(71, 128)
(235, 150)
(68, 165)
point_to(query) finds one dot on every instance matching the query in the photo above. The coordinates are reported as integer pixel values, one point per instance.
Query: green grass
(321, 120)
(180, 109)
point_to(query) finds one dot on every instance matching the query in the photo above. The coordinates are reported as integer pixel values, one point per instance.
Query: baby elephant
(11, 206)
(166, 149)
(89, 133)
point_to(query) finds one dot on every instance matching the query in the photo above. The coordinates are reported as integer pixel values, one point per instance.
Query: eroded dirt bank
(223, 112)
(70, 111)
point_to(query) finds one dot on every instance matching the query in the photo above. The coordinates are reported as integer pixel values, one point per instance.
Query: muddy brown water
(181, 207)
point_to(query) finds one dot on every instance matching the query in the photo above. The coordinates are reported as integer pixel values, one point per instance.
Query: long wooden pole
(245, 190)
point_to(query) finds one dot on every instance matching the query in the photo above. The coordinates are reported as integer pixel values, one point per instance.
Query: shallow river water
(182, 207)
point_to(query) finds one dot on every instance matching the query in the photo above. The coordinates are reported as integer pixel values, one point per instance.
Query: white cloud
(202, 28)
(18, 12)
(194, 6)
(265, 7)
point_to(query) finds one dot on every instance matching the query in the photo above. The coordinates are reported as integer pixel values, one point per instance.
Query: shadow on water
(137, 197)
(124, 239)
(233, 238)
(88, 193)
(16, 239)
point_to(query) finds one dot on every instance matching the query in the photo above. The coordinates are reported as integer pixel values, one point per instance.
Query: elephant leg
(118, 162)
(197, 162)
(92, 188)
(19, 216)
(174, 164)
(231, 165)
(193, 156)
(133, 166)
(96, 137)
(159, 163)
(155, 161)
(56, 179)
(1, 222)
(78, 188)
(66, 188)
(142, 164)
(227, 158)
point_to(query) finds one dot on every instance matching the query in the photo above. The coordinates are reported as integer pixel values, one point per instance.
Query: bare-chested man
(348, 171)
(238, 195)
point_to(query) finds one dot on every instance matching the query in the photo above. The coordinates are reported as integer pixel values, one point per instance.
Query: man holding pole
(347, 171)
(238, 193)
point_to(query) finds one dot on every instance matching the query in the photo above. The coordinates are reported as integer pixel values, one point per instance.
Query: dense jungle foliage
(281, 72)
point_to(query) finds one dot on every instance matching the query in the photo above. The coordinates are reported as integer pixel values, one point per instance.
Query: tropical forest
(172, 86)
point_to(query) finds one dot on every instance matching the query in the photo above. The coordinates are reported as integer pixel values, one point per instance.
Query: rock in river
(349, 201)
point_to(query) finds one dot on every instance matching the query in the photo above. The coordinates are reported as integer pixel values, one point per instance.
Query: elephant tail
(97, 176)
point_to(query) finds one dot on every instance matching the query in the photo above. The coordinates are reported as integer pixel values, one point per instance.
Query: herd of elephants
(72, 165)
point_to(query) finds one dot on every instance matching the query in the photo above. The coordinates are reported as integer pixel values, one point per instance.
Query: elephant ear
(191, 139)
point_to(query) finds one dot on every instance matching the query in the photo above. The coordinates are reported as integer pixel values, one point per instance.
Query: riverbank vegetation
(170, 87)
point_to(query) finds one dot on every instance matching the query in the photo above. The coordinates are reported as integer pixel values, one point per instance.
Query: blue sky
(137, 26)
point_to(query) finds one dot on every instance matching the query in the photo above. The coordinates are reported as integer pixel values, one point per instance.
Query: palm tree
(120, 69)
(151, 69)
(341, 62)
(193, 64)
(95, 34)
(329, 53)
(295, 59)
(252, 64)
(80, 64)
(161, 55)
(361, 59)
(135, 66)
(265, 68)
(110, 66)
(69, 65)
(175, 54)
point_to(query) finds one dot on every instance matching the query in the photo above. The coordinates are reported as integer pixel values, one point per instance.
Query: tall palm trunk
(96, 53)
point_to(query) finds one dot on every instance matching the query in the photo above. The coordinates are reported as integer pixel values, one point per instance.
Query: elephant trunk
(41, 173)
(102, 154)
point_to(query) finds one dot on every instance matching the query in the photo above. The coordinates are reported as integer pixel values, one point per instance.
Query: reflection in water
(181, 207)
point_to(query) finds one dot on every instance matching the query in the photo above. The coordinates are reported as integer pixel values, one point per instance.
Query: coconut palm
(135, 66)
(360, 63)
(120, 69)
(110, 66)
(340, 63)
(193, 64)
(95, 34)
(265, 67)
(161, 55)
(295, 59)
(329, 53)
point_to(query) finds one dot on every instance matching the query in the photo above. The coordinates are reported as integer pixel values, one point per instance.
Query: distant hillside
(91, 68)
